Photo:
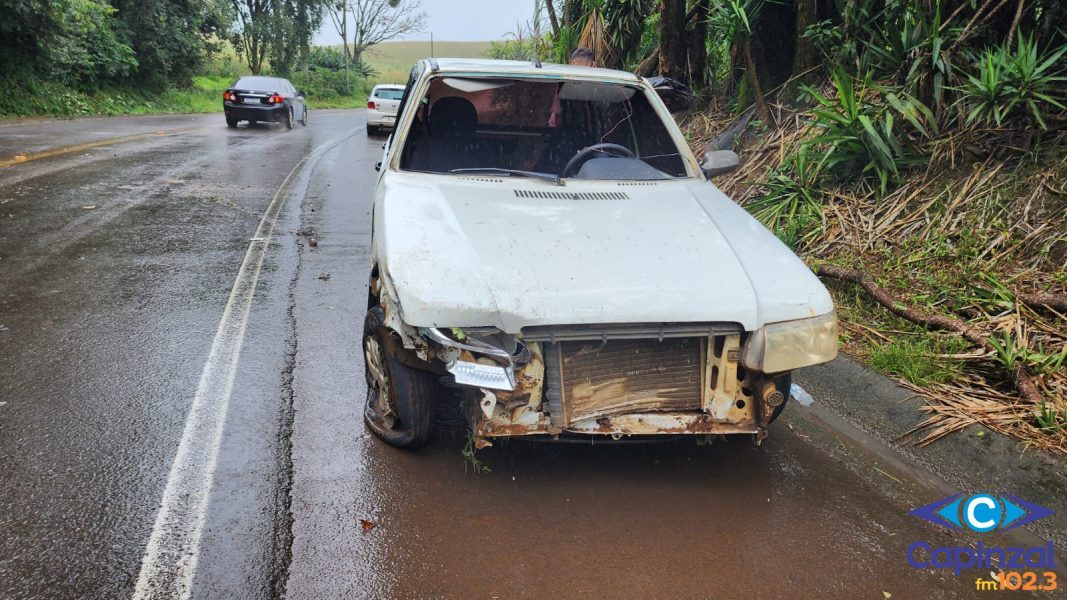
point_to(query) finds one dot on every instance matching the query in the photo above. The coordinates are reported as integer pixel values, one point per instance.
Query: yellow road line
(24, 158)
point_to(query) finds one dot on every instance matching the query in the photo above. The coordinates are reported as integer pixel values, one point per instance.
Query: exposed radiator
(624, 376)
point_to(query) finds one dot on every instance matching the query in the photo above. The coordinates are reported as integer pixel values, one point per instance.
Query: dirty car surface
(544, 241)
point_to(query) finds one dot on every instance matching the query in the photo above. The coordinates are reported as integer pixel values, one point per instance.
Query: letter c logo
(982, 512)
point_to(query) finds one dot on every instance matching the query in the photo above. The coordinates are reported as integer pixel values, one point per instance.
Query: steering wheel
(583, 155)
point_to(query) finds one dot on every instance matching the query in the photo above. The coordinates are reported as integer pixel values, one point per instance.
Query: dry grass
(982, 221)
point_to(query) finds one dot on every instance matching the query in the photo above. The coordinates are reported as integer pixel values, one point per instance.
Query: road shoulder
(974, 459)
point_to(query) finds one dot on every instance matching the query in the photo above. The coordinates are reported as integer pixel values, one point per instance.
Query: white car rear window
(389, 94)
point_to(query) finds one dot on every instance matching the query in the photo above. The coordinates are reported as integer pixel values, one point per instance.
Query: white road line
(169, 562)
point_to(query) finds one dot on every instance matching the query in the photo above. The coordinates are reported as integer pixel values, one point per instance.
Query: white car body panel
(465, 253)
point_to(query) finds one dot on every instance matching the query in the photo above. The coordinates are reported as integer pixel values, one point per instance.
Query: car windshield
(570, 129)
(389, 94)
(266, 84)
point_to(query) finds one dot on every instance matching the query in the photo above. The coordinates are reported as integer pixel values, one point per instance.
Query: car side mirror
(299, 94)
(719, 162)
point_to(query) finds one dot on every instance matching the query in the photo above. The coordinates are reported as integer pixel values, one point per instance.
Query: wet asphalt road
(116, 262)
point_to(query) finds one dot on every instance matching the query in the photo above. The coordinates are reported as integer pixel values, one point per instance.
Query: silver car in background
(381, 107)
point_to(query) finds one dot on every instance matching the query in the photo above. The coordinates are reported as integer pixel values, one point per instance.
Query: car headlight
(477, 374)
(780, 347)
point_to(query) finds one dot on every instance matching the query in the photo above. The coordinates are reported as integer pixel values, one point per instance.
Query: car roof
(527, 68)
(389, 86)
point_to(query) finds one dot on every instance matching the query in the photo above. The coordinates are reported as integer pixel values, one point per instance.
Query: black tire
(304, 117)
(231, 123)
(372, 130)
(407, 419)
(289, 118)
(252, 123)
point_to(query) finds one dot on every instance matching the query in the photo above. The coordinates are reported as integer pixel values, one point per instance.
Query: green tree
(277, 30)
(171, 38)
(69, 41)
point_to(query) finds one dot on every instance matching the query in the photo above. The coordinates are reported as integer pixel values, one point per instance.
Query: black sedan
(255, 99)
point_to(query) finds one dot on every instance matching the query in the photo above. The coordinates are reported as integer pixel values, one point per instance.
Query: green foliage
(624, 23)
(326, 57)
(562, 44)
(1048, 417)
(171, 38)
(72, 41)
(515, 49)
(325, 84)
(914, 359)
(470, 456)
(990, 293)
(1011, 350)
(529, 40)
(280, 30)
(858, 138)
(1014, 83)
(34, 97)
(791, 205)
(732, 20)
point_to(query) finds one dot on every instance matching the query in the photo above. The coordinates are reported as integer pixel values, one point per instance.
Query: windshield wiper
(535, 174)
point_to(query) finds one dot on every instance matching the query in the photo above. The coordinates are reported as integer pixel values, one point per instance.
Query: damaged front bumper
(674, 382)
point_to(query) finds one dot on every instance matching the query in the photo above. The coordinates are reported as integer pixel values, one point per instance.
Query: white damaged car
(544, 241)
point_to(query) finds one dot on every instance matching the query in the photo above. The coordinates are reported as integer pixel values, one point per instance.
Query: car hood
(512, 253)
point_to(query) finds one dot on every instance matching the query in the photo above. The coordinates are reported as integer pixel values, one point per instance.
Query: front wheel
(304, 117)
(289, 119)
(400, 398)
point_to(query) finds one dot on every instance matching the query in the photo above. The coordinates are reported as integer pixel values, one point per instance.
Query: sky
(459, 20)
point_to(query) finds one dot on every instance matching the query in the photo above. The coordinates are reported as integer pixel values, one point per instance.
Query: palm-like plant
(734, 20)
(1008, 83)
(857, 138)
(624, 22)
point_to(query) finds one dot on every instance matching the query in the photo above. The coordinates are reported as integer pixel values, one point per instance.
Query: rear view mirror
(718, 162)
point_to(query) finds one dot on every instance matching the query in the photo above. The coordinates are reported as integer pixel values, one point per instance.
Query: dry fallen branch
(1052, 301)
(1023, 380)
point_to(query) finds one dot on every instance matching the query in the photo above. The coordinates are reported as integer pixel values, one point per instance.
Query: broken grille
(625, 376)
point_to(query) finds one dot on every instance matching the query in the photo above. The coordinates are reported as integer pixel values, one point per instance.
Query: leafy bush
(861, 133)
(326, 57)
(857, 138)
(323, 84)
(791, 205)
(516, 49)
(1019, 83)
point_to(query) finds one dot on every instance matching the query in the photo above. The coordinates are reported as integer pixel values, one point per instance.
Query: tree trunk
(572, 12)
(647, 67)
(551, 6)
(344, 42)
(762, 109)
(805, 54)
(696, 42)
(672, 57)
